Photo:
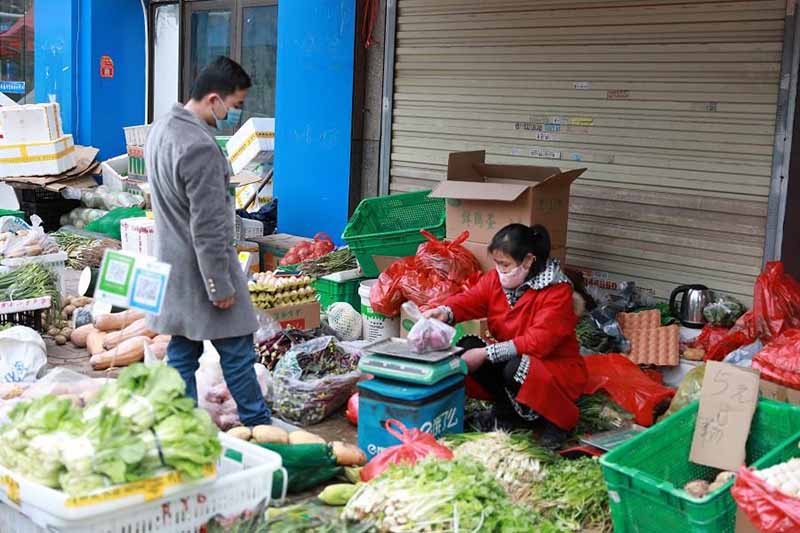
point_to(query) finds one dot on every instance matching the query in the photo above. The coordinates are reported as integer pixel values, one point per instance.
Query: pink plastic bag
(427, 334)
(415, 445)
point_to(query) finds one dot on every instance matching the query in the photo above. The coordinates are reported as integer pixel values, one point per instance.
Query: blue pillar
(314, 115)
(71, 37)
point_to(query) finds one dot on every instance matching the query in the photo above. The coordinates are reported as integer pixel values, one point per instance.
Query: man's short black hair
(223, 76)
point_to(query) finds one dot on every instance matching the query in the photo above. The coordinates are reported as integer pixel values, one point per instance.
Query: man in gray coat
(207, 296)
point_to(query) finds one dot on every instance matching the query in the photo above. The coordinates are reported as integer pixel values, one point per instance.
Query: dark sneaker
(553, 437)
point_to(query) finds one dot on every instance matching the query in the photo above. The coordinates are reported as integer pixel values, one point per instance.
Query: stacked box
(253, 143)
(48, 158)
(34, 123)
(138, 235)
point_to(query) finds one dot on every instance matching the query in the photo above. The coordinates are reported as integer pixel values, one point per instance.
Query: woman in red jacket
(535, 370)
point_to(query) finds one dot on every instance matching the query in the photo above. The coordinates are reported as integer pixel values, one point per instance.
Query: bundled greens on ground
(515, 460)
(441, 496)
(598, 412)
(138, 426)
(573, 496)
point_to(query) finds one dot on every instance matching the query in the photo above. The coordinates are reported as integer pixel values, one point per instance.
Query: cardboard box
(252, 249)
(478, 327)
(271, 248)
(253, 143)
(779, 393)
(481, 252)
(138, 235)
(37, 159)
(302, 316)
(33, 123)
(483, 198)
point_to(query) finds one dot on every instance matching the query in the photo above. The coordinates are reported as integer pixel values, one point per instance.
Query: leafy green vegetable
(573, 496)
(598, 412)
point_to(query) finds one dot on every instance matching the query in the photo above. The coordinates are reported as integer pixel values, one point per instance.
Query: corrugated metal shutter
(670, 104)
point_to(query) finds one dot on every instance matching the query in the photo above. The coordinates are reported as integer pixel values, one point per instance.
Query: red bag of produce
(415, 445)
(776, 308)
(768, 509)
(779, 361)
(307, 250)
(627, 385)
(709, 336)
(439, 270)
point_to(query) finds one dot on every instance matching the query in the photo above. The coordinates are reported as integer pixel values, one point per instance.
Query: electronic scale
(394, 359)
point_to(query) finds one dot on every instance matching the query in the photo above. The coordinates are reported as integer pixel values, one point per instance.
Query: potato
(697, 488)
(69, 310)
(66, 331)
(66, 301)
(725, 476)
(60, 340)
(270, 435)
(348, 454)
(81, 301)
(242, 433)
(304, 437)
(53, 331)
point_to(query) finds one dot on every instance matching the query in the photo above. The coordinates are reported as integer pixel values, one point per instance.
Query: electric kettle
(693, 298)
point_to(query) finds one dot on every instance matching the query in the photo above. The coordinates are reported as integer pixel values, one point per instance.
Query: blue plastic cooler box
(436, 409)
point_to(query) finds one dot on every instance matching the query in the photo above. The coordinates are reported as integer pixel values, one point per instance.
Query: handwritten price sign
(727, 402)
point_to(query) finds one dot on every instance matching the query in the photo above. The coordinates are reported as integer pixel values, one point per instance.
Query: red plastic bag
(776, 308)
(770, 510)
(440, 269)
(709, 336)
(627, 385)
(307, 250)
(779, 361)
(352, 409)
(415, 445)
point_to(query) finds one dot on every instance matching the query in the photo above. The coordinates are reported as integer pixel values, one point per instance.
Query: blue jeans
(236, 356)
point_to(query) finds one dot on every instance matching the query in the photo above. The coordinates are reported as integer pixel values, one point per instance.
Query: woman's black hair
(519, 240)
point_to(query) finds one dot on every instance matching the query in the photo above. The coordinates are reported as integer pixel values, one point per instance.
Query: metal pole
(388, 94)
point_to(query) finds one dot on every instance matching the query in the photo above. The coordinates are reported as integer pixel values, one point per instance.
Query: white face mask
(514, 278)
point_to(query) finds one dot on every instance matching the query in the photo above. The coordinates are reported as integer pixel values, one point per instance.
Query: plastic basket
(247, 229)
(244, 483)
(330, 291)
(11, 213)
(389, 226)
(222, 142)
(646, 475)
(38, 194)
(49, 211)
(56, 261)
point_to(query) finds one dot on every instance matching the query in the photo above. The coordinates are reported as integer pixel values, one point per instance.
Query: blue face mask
(231, 119)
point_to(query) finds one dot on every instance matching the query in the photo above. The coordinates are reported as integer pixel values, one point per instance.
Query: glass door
(165, 54)
(258, 54)
(209, 29)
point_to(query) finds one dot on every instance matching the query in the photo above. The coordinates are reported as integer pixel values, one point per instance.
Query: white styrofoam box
(253, 143)
(138, 235)
(30, 123)
(136, 135)
(37, 159)
(240, 486)
(114, 172)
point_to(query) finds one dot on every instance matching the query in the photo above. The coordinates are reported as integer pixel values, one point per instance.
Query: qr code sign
(148, 289)
(117, 271)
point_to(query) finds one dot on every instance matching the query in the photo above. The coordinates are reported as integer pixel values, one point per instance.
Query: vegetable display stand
(26, 313)
(646, 475)
(388, 226)
(330, 290)
(243, 483)
(57, 262)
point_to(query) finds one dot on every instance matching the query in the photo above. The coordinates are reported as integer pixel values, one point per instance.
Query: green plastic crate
(329, 292)
(12, 213)
(646, 475)
(390, 226)
(222, 142)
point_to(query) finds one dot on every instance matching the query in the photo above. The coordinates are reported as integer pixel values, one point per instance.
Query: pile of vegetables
(81, 216)
(724, 311)
(435, 495)
(137, 427)
(119, 339)
(700, 488)
(591, 337)
(346, 454)
(515, 460)
(271, 350)
(103, 198)
(598, 412)
(338, 261)
(268, 290)
(308, 250)
(31, 280)
(314, 379)
(573, 496)
(83, 251)
(26, 243)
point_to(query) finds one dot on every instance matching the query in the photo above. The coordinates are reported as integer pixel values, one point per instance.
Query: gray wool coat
(189, 178)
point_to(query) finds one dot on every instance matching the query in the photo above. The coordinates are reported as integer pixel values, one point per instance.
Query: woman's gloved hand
(438, 313)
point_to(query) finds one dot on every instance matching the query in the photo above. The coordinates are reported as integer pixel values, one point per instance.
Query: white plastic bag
(345, 321)
(427, 334)
(23, 355)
